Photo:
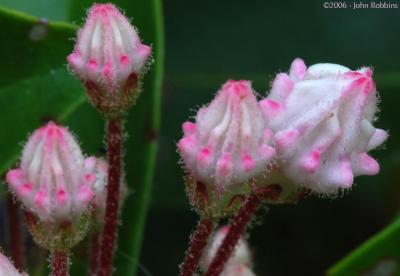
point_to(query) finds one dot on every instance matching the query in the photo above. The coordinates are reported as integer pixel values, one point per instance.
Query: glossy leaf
(379, 255)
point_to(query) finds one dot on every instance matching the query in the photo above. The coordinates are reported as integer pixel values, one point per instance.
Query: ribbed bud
(226, 147)
(322, 118)
(109, 59)
(54, 183)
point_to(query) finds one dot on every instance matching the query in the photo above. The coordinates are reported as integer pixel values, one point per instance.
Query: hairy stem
(238, 226)
(198, 241)
(114, 140)
(94, 252)
(59, 263)
(16, 248)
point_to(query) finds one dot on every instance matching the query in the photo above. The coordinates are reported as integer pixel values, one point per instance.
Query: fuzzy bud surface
(322, 118)
(109, 59)
(54, 182)
(229, 143)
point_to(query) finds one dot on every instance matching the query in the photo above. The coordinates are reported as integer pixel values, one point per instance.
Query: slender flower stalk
(114, 132)
(110, 59)
(198, 241)
(16, 241)
(238, 226)
(94, 252)
(59, 263)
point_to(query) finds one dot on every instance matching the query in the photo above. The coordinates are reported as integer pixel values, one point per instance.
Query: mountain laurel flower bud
(225, 148)
(239, 264)
(7, 268)
(109, 59)
(322, 118)
(54, 185)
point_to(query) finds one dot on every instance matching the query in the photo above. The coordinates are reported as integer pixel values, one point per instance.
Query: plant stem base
(238, 226)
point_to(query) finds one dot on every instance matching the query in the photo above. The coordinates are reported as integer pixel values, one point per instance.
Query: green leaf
(51, 10)
(34, 83)
(380, 255)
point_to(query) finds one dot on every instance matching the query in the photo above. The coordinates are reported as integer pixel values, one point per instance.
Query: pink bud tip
(222, 148)
(62, 197)
(189, 128)
(270, 108)
(324, 127)
(311, 162)
(248, 163)
(298, 69)
(107, 53)
(52, 170)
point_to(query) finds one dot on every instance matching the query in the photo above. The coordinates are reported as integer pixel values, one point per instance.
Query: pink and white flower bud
(109, 59)
(322, 117)
(229, 143)
(238, 264)
(53, 181)
(7, 268)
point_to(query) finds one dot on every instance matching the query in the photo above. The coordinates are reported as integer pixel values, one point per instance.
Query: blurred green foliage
(207, 43)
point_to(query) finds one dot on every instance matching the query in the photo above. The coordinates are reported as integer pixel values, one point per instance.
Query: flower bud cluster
(313, 131)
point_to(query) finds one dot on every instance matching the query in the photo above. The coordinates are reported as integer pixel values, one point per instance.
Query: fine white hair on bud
(322, 118)
(7, 268)
(109, 58)
(240, 262)
(229, 142)
(52, 181)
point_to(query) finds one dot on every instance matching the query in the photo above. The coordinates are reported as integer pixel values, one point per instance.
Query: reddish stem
(238, 226)
(198, 241)
(114, 133)
(59, 263)
(15, 233)
(94, 252)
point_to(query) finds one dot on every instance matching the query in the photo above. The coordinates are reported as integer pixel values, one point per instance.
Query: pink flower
(228, 143)
(109, 58)
(54, 181)
(322, 119)
(7, 268)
